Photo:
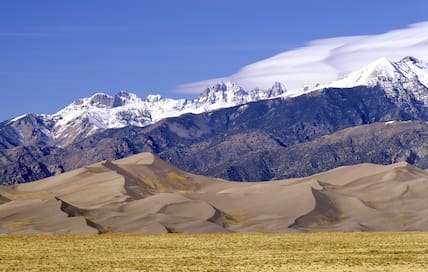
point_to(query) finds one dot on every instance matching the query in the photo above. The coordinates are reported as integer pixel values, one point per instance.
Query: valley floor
(325, 251)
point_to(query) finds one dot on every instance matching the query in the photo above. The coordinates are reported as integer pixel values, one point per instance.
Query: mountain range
(232, 133)
(99, 112)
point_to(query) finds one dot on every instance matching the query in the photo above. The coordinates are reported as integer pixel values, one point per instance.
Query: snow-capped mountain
(101, 111)
(409, 76)
(403, 82)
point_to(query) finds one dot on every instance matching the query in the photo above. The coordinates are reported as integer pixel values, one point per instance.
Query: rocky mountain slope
(142, 194)
(380, 143)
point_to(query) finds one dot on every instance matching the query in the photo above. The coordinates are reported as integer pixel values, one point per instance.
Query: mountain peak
(102, 100)
(401, 80)
(410, 59)
(153, 98)
(122, 98)
(278, 85)
(381, 71)
(99, 100)
(381, 68)
(413, 63)
(222, 91)
(223, 86)
(278, 88)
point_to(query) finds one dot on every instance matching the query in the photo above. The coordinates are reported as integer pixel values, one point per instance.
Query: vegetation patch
(217, 252)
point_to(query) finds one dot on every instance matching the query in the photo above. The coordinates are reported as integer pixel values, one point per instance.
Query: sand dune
(143, 194)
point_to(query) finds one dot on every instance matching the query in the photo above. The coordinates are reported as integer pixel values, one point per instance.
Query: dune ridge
(143, 194)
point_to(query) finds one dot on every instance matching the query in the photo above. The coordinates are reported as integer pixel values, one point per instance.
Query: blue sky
(53, 52)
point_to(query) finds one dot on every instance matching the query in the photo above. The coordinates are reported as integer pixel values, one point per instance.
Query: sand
(143, 194)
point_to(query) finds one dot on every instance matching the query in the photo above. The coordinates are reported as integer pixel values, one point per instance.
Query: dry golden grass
(217, 252)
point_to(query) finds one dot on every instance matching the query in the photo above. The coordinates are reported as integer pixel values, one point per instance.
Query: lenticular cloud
(325, 60)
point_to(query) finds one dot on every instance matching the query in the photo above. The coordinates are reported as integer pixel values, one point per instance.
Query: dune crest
(143, 194)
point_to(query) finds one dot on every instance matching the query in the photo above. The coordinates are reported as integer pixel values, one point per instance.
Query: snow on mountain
(224, 95)
(101, 111)
(396, 78)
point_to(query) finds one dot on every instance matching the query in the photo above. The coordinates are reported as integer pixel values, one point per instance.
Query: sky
(53, 52)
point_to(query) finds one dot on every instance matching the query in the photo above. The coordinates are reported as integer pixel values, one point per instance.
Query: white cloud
(322, 61)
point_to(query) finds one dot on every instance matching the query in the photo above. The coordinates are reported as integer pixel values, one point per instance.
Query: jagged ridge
(101, 111)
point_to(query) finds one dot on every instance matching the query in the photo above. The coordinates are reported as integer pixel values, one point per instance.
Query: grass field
(217, 252)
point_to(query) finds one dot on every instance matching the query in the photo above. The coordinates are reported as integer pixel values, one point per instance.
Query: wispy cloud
(322, 61)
